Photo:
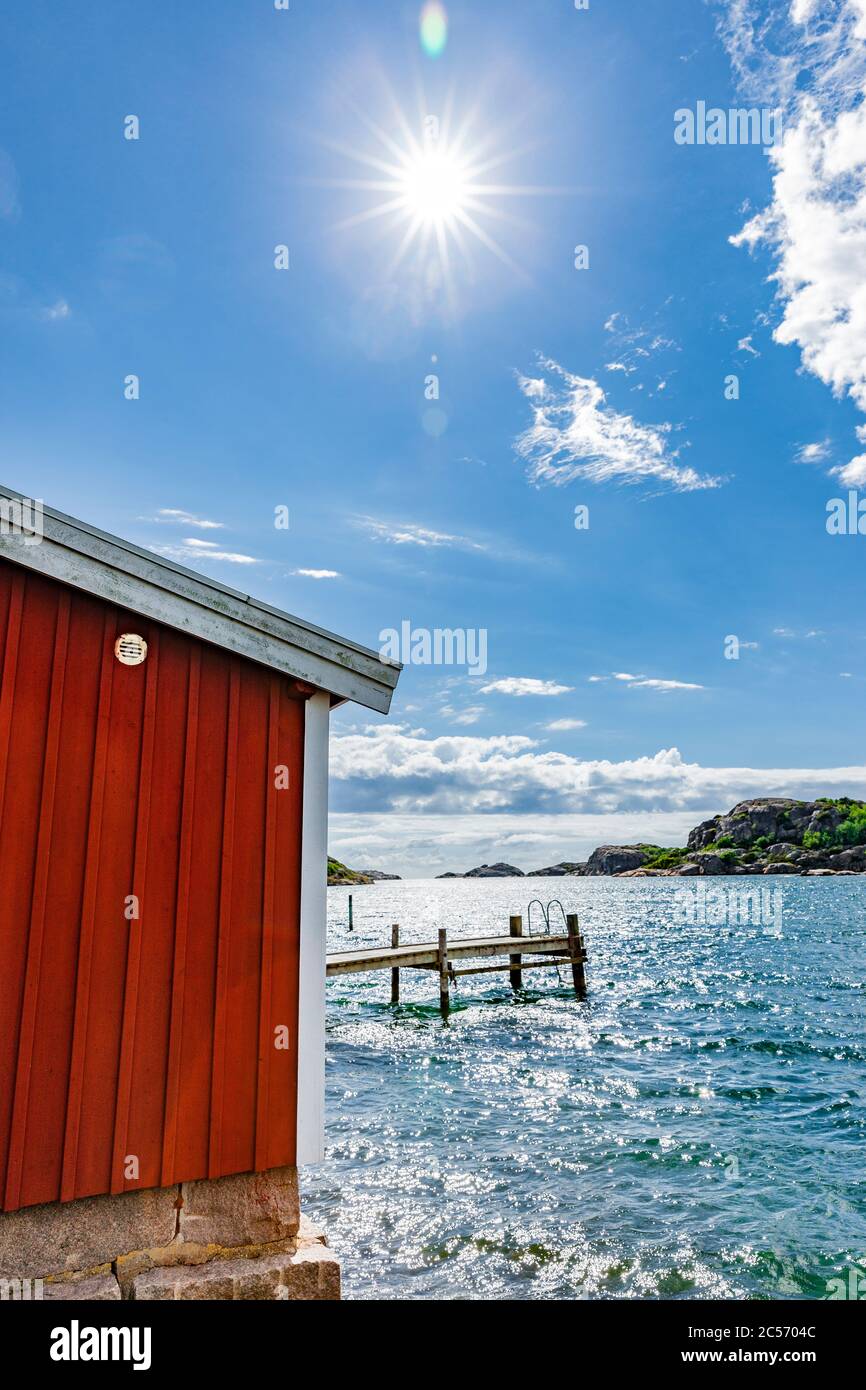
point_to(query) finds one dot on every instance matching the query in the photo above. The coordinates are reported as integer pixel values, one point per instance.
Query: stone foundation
(236, 1237)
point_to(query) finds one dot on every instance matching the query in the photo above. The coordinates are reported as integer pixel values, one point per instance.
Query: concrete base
(310, 1272)
(235, 1237)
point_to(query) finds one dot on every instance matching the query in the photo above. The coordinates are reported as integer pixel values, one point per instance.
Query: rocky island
(768, 835)
(338, 874)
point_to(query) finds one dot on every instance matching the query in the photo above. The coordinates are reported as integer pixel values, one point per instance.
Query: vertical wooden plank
(26, 1032)
(266, 1035)
(575, 949)
(136, 924)
(444, 1001)
(225, 923)
(395, 973)
(88, 915)
(515, 927)
(10, 668)
(10, 959)
(184, 888)
(282, 1121)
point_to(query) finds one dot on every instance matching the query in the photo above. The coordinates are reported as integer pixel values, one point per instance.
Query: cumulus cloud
(853, 474)
(523, 685)
(562, 726)
(815, 223)
(394, 768)
(576, 434)
(813, 453)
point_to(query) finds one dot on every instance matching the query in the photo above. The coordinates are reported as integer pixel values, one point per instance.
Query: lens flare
(434, 28)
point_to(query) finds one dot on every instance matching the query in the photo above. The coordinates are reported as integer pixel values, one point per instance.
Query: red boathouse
(163, 840)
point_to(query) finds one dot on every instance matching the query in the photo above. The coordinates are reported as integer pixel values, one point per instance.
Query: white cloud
(655, 684)
(575, 434)
(318, 574)
(411, 534)
(53, 313)
(524, 685)
(175, 516)
(470, 715)
(813, 453)
(649, 682)
(853, 474)
(815, 223)
(392, 768)
(562, 726)
(745, 345)
(193, 548)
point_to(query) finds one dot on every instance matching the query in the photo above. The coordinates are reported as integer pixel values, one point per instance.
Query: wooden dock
(442, 956)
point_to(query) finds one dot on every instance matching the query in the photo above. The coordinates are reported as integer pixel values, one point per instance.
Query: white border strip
(314, 921)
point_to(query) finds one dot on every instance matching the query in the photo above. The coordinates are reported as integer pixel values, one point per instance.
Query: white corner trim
(314, 923)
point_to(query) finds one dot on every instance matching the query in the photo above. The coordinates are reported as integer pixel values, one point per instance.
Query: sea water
(696, 1128)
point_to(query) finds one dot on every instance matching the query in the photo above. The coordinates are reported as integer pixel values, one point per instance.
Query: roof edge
(122, 573)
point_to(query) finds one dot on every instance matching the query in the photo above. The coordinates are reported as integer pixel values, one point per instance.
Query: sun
(432, 188)
(435, 187)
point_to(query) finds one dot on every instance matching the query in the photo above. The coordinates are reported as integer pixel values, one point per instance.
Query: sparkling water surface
(695, 1129)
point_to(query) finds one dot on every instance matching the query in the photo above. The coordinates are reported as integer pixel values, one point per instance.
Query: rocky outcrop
(772, 835)
(563, 870)
(495, 871)
(339, 874)
(617, 859)
(778, 820)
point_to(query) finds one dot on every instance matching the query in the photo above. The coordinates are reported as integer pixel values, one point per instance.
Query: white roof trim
(125, 574)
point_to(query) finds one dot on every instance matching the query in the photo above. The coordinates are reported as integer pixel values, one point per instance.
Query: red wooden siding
(151, 1037)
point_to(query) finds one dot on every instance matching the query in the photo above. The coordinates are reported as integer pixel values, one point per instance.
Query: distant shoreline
(766, 835)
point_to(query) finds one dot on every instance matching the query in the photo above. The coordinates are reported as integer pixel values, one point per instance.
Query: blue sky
(306, 387)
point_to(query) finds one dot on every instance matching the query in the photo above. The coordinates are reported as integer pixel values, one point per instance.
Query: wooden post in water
(575, 948)
(350, 912)
(444, 1001)
(395, 973)
(515, 926)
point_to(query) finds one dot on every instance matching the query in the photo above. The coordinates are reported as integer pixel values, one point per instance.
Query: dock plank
(426, 954)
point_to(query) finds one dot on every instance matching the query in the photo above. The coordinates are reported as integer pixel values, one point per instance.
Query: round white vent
(130, 649)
